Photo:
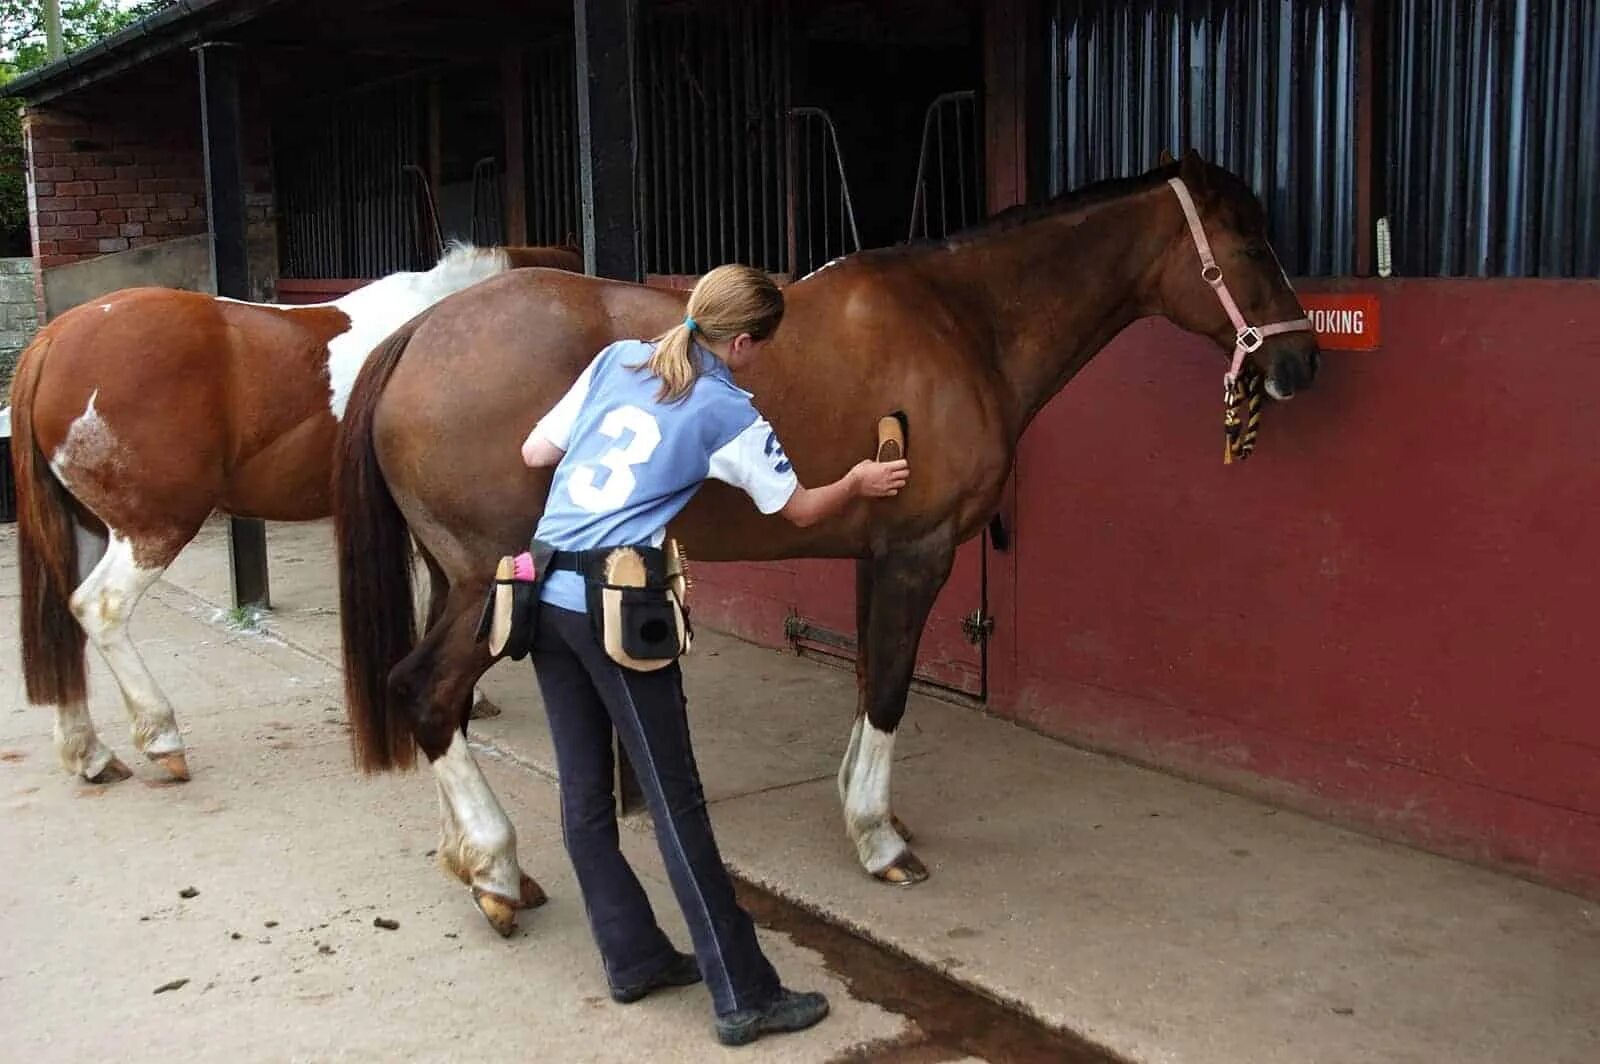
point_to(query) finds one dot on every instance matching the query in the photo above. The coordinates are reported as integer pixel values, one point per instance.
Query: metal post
(52, 30)
(220, 124)
(608, 150)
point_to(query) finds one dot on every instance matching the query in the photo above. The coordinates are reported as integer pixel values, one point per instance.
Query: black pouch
(635, 612)
(510, 621)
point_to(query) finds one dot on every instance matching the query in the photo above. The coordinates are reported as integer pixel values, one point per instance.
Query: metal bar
(220, 122)
(1366, 173)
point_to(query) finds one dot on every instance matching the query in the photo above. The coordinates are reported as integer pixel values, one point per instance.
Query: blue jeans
(586, 695)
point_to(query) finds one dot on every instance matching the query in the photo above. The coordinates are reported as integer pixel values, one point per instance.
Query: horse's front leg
(903, 585)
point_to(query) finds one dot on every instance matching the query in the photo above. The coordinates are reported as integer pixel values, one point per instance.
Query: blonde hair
(728, 301)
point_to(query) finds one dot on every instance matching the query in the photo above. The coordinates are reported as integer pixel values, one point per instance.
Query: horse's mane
(1072, 200)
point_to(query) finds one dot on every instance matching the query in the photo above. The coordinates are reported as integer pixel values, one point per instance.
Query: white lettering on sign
(1346, 322)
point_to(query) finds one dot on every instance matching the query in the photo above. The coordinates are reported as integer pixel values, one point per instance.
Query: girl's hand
(879, 480)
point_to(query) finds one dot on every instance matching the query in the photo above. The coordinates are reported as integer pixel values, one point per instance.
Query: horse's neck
(1059, 288)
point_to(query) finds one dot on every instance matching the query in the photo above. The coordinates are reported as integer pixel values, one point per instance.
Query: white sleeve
(556, 426)
(754, 462)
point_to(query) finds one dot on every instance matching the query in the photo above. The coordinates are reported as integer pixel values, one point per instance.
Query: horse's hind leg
(478, 843)
(905, 583)
(103, 604)
(438, 594)
(77, 743)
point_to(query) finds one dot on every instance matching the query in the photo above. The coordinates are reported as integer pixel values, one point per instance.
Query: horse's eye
(1256, 250)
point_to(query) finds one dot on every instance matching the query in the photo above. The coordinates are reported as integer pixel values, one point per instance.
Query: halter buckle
(1249, 339)
(1212, 274)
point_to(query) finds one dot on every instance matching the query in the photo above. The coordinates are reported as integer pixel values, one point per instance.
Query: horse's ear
(1194, 169)
(1165, 158)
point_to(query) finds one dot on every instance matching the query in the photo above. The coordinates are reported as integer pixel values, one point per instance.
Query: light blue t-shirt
(633, 463)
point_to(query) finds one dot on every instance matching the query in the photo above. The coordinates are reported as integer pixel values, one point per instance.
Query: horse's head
(1241, 297)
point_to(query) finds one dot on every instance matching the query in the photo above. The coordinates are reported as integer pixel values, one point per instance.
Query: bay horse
(969, 336)
(137, 415)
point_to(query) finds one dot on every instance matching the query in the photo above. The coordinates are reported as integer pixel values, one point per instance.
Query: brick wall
(108, 186)
(18, 318)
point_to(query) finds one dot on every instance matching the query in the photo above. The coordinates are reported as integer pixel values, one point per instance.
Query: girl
(631, 442)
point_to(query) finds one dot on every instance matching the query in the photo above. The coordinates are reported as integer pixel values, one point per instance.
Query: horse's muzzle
(1292, 369)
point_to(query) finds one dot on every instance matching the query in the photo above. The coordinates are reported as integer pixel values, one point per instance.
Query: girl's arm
(540, 453)
(868, 480)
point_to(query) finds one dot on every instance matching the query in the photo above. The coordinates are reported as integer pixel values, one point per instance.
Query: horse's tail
(47, 554)
(376, 611)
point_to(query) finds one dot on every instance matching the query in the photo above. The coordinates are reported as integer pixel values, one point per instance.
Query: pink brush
(524, 566)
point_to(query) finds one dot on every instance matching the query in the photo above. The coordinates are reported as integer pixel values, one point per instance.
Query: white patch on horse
(79, 747)
(866, 805)
(383, 306)
(106, 307)
(103, 604)
(88, 443)
(824, 266)
(484, 850)
(847, 765)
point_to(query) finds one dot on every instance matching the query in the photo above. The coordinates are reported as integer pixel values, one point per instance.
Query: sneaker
(681, 971)
(789, 1011)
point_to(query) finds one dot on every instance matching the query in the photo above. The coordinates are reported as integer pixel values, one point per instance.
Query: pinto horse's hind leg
(905, 583)
(77, 743)
(103, 604)
(478, 843)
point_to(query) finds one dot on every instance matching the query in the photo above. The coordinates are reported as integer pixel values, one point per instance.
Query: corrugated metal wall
(714, 76)
(1493, 137)
(346, 206)
(1263, 87)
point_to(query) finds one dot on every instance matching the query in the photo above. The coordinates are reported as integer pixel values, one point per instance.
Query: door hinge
(978, 627)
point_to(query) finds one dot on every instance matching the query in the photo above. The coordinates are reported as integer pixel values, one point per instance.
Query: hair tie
(688, 323)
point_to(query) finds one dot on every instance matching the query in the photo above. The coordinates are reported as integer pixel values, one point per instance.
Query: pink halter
(1247, 338)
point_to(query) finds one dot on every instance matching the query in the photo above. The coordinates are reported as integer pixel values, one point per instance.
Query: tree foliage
(22, 49)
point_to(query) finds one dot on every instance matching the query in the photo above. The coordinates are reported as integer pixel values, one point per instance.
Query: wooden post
(608, 141)
(220, 124)
(608, 136)
(514, 105)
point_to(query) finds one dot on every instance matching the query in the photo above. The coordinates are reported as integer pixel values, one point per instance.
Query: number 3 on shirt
(613, 493)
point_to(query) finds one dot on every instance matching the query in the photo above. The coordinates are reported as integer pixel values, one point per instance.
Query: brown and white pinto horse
(137, 415)
(969, 336)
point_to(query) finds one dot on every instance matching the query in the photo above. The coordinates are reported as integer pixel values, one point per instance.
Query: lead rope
(1241, 432)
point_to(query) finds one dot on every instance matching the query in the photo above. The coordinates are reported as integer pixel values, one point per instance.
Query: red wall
(1391, 614)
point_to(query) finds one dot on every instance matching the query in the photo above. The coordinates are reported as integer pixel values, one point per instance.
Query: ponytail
(728, 302)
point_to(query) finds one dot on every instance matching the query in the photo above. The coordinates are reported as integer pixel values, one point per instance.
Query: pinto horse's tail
(47, 554)
(377, 614)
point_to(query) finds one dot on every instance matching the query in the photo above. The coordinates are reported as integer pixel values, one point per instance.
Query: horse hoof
(114, 772)
(533, 894)
(501, 914)
(905, 871)
(176, 764)
(900, 827)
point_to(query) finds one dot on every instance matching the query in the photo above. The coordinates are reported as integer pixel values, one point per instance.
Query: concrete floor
(1164, 920)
